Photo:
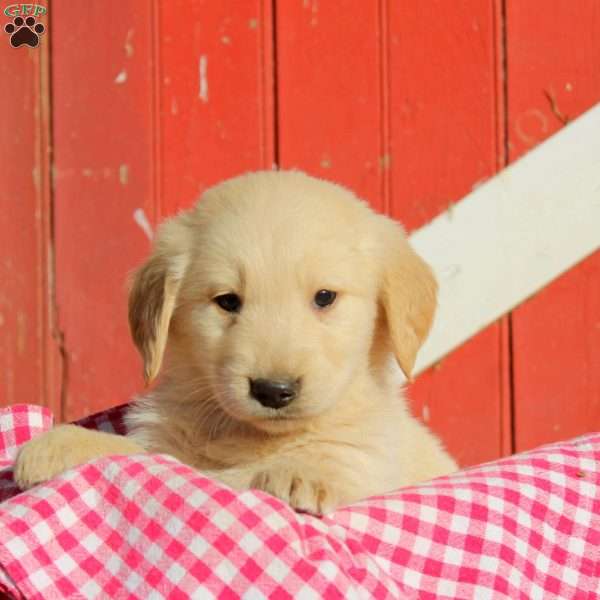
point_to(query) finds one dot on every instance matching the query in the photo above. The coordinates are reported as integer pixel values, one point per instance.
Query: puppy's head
(269, 297)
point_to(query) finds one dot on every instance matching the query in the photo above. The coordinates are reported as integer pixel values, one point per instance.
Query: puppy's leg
(64, 447)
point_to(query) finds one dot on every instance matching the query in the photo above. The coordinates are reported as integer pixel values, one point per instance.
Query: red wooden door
(111, 127)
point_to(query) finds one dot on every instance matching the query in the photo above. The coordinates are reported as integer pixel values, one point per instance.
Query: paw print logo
(24, 32)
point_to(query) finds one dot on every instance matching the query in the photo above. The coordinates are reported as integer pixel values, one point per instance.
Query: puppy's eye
(229, 302)
(324, 298)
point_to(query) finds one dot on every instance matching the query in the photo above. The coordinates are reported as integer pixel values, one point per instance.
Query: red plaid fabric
(18, 424)
(149, 527)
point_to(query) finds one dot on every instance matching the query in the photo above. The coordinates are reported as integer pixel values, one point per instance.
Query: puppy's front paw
(299, 491)
(46, 456)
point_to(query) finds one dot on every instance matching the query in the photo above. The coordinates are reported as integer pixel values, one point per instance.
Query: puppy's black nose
(272, 393)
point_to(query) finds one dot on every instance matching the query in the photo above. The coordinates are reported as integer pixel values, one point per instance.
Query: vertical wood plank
(216, 97)
(329, 92)
(447, 135)
(103, 150)
(553, 76)
(28, 353)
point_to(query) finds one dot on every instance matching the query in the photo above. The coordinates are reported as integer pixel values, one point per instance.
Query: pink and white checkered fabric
(149, 527)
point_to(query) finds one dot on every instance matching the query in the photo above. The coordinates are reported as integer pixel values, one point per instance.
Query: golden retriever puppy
(273, 309)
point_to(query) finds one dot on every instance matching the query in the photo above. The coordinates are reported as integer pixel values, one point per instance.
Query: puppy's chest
(355, 451)
(230, 450)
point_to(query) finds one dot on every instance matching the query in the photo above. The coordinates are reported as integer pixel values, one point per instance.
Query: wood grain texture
(446, 137)
(29, 357)
(103, 179)
(216, 95)
(554, 75)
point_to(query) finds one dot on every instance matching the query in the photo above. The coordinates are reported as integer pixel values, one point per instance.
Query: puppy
(273, 309)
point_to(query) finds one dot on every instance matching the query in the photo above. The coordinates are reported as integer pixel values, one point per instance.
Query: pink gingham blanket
(150, 527)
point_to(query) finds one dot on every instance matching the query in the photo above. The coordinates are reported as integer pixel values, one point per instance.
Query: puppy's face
(266, 296)
(277, 311)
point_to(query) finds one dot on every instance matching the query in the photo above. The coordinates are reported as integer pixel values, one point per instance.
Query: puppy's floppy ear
(153, 296)
(408, 296)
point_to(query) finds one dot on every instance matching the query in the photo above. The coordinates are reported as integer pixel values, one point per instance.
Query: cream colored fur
(275, 239)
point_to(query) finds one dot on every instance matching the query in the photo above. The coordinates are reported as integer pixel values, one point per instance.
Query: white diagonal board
(513, 235)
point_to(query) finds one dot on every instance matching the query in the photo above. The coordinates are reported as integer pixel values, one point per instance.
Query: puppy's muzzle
(273, 393)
